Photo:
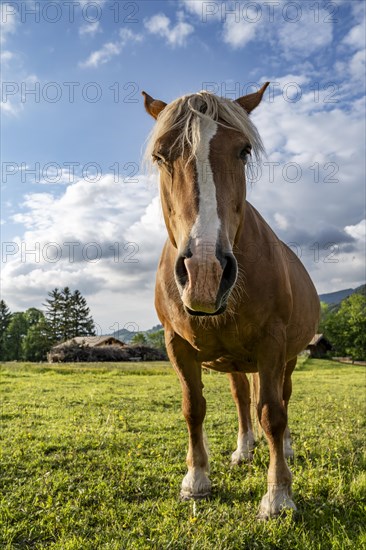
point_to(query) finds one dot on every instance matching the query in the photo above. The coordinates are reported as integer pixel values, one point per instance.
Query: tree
(139, 339)
(66, 328)
(5, 318)
(157, 340)
(68, 315)
(33, 316)
(16, 331)
(38, 341)
(81, 322)
(54, 313)
(346, 327)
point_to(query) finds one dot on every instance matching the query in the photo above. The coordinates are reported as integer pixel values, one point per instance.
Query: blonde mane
(185, 113)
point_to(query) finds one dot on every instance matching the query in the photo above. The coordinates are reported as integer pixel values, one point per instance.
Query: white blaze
(206, 227)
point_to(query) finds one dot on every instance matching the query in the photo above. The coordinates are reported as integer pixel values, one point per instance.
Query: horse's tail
(254, 398)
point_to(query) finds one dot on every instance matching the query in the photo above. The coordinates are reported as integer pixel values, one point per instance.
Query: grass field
(93, 457)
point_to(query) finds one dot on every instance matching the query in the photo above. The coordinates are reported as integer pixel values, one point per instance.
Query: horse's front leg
(273, 418)
(196, 483)
(240, 391)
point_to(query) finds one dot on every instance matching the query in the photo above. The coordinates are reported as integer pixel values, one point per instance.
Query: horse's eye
(158, 159)
(244, 153)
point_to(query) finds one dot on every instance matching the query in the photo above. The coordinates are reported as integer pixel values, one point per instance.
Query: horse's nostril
(230, 270)
(181, 271)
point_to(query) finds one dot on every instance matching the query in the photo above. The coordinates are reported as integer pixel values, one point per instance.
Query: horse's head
(201, 144)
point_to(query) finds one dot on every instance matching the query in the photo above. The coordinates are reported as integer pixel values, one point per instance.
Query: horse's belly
(228, 364)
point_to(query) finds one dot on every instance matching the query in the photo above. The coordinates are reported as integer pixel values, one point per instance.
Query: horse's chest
(221, 348)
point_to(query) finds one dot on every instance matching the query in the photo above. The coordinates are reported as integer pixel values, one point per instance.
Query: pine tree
(68, 315)
(81, 322)
(66, 308)
(5, 318)
(54, 313)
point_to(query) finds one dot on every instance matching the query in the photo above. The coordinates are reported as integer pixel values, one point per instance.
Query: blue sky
(78, 208)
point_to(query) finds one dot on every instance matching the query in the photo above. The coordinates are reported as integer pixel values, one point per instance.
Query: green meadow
(93, 456)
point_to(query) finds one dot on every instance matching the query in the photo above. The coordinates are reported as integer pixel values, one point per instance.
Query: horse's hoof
(185, 495)
(263, 516)
(241, 458)
(244, 451)
(196, 485)
(276, 503)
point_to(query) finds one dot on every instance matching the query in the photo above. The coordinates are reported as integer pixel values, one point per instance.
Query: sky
(79, 208)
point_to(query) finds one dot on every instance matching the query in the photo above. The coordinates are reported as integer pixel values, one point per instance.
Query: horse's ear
(251, 101)
(153, 106)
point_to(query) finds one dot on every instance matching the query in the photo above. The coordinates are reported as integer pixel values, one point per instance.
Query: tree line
(344, 325)
(152, 339)
(30, 335)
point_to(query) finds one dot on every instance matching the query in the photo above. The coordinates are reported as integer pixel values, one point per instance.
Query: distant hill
(127, 335)
(334, 298)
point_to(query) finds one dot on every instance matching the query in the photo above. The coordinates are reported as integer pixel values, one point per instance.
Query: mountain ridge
(334, 298)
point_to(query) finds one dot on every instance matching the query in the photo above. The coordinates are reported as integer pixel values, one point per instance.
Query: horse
(230, 294)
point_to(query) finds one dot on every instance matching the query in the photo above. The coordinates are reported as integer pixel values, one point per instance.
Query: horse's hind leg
(287, 390)
(241, 394)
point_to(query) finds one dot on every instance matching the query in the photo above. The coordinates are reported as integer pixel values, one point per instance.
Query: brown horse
(230, 294)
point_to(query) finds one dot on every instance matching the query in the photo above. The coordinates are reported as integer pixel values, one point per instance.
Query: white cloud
(126, 36)
(110, 49)
(13, 104)
(90, 29)
(206, 11)
(105, 54)
(238, 35)
(238, 31)
(317, 201)
(118, 225)
(290, 29)
(281, 221)
(6, 56)
(13, 72)
(357, 231)
(356, 36)
(175, 35)
(9, 21)
(305, 36)
(54, 176)
(357, 68)
(9, 108)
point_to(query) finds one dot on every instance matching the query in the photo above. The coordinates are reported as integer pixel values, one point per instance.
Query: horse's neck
(255, 229)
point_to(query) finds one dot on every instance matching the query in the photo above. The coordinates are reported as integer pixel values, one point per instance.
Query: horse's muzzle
(205, 283)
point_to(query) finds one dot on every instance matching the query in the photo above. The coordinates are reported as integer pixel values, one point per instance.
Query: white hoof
(276, 502)
(196, 485)
(244, 451)
(239, 456)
